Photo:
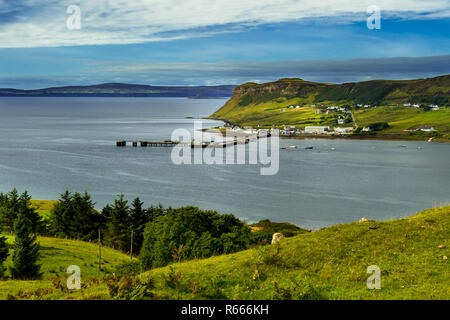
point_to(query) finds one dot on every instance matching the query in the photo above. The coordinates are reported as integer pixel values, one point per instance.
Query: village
(342, 124)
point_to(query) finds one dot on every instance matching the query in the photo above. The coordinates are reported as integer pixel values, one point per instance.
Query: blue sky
(199, 42)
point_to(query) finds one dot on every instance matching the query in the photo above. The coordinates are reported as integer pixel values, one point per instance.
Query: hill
(56, 256)
(124, 90)
(330, 263)
(268, 104)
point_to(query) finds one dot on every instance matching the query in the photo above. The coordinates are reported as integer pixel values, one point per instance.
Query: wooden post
(131, 246)
(99, 251)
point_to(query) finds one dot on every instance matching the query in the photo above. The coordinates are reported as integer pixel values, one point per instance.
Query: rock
(441, 246)
(363, 220)
(277, 237)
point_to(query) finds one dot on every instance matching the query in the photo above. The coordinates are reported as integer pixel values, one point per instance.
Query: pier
(169, 143)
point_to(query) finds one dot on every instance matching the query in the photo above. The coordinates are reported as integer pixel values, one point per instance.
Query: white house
(434, 107)
(366, 129)
(427, 129)
(340, 121)
(343, 130)
(317, 129)
(407, 104)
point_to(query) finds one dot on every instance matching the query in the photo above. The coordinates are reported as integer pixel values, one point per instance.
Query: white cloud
(42, 23)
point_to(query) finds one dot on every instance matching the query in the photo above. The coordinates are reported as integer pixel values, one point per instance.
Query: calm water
(50, 144)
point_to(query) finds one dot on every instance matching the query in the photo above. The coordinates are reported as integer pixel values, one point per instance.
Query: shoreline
(319, 137)
(381, 137)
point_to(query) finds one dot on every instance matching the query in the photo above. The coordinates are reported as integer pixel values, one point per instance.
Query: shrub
(199, 233)
(131, 268)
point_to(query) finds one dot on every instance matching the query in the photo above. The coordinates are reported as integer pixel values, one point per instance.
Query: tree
(3, 254)
(9, 207)
(86, 219)
(11, 204)
(61, 216)
(118, 234)
(74, 216)
(26, 209)
(26, 251)
(199, 233)
(138, 218)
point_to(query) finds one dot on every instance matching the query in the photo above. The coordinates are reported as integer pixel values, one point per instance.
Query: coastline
(382, 137)
(356, 137)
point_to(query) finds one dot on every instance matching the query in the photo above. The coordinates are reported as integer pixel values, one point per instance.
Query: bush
(377, 126)
(268, 228)
(199, 234)
(132, 268)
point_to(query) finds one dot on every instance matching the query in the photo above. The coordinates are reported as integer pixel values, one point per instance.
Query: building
(366, 129)
(340, 121)
(434, 107)
(317, 129)
(407, 104)
(427, 129)
(343, 130)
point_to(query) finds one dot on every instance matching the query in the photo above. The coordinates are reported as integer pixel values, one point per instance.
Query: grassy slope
(332, 261)
(56, 256)
(400, 119)
(43, 207)
(329, 263)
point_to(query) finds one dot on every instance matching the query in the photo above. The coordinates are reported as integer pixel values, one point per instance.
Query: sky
(214, 42)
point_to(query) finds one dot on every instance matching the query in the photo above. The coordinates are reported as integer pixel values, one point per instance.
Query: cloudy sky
(208, 42)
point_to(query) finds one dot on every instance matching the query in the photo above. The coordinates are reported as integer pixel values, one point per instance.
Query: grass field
(43, 207)
(401, 119)
(56, 256)
(329, 263)
(270, 113)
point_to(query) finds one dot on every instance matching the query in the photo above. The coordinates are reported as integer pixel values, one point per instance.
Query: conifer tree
(139, 218)
(26, 209)
(3, 254)
(61, 216)
(26, 250)
(8, 209)
(119, 227)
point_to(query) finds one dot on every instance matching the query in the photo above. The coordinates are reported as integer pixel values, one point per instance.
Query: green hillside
(56, 256)
(329, 263)
(268, 104)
